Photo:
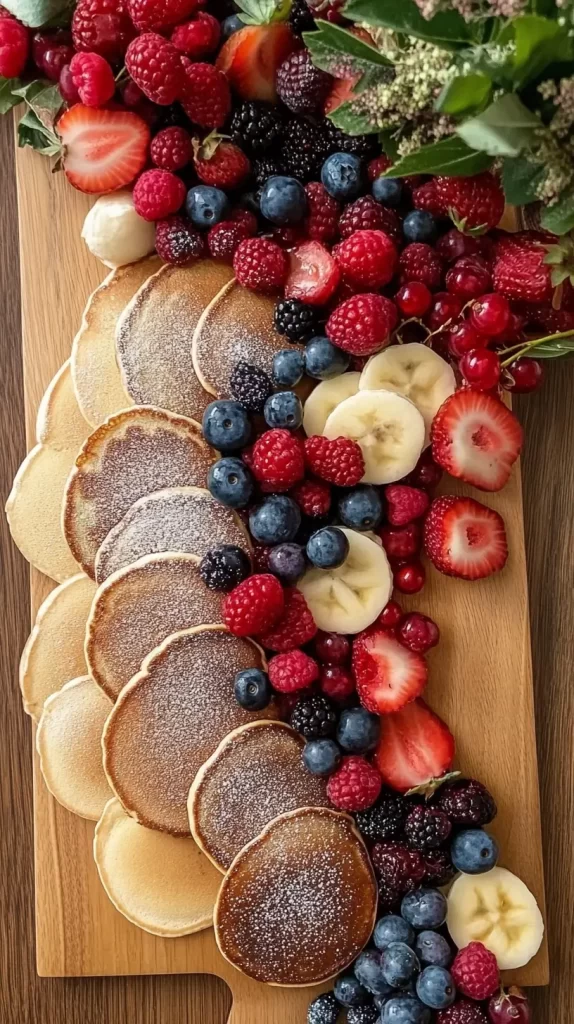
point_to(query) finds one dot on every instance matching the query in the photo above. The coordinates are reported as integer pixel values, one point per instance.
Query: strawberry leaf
(31, 132)
(44, 100)
(520, 180)
(447, 28)
(8, 98)
(450, 156)
(35, 13)
(342, 54)
(505, 128)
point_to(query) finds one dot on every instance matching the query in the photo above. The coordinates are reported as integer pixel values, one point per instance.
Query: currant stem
(523, 348)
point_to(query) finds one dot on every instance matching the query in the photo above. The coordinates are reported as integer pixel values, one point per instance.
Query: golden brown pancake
(170, 718)
(154, 336)
(299, 902)
(137, 608)
(161, 884)
(185, 519)
(225, 806)
(136, 452)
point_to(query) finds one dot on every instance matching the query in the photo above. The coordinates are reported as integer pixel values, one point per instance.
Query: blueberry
(230, 482)
(230, 26)
(432, 948)
(283, 409)
(324, 1010)
(405, 1009)
(323, 359)
(321, 756)
(226, 425)
(368, 970)
(252, 689)
(392, 928)
(473, 851)
(399, 964)
(206, 206)
(283, 200)
(358, 731)
(288, 367)
(388, 191)
(342, 175)
(361, 508)
(287, 561)
(327, 548)
(275, 520)
(349, 992)
(419, 226)
(435, 988)
(424, 908)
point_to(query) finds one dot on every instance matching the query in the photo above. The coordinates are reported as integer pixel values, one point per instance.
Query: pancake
(225, 806)
(161, 884)
(237, 325)
(299, 902)
(54, 651)
(154, 336)
(171, 717)
(136, 452)
(59, 422)
(137, 608)
(69, 742)
(185, 519)
(97, 379)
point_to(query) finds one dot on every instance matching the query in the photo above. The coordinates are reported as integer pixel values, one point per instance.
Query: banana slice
(348, 599)
(326, 397)
(387, 426)
(414, 371)
(499, 910)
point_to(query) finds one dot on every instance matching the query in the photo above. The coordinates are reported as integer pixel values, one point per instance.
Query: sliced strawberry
(464, 538)
(476, 439)
(388, 674)
(313, 274)
(342, 92)
(250, 59)
(415, 747)
(103, 149)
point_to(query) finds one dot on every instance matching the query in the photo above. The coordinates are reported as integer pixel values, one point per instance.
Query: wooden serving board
(481, 677)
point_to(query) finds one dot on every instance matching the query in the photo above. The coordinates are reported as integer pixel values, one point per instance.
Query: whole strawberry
(206, 97)
(155, 66)
(362, 324)
(475, 204)
(102, 26)
(355, 785)
(154, 15)
(295, 627)
(475, 971)
(367, 258)
(220, 163)
(254, 606)
(520, 273)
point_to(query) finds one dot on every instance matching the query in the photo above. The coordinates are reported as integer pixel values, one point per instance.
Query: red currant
(454, 244)
(390, 616)
(481, 368)
(337, 682)
(418, 632)
(469, 278)
(332, 648)
(445, 307)
(55, 59)
(510, 1007)
(490, 314)
(67, 88)
(401, 541)
(43, 41)
(514, 331)
(132, 94)
(526, 375)
(414, 298)
(462, 338)
(426, 472)
(410, 578)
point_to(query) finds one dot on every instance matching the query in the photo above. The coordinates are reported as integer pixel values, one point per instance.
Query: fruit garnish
(103, 149)
(464, 538)
(252, 56)
(476, 439)
(313, 274)
(388, 674)
(416, 747)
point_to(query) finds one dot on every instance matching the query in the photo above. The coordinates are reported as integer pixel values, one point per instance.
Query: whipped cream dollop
(115, 233)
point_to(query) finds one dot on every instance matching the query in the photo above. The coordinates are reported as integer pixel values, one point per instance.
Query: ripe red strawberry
(251, 57)
(206, 97)
(339, 461)
(464, 538)
(154, 15)
(102, 26)
(254, 605)
(475, 204)
(220, 163)
(295, 627)
(415, 747)
(388, 674)
(199, 37)
(404, 504)
(475, 971)
(519, 272)
(313, 274)
(260, 264)
(155, 66)
(420, 262)
(322, 223)
(93, 78)
(476, 438)
(368, 259)
(366, 214)
(362, 324)
(355, 785)
(104, 149)
(341, 92)
(14, 47)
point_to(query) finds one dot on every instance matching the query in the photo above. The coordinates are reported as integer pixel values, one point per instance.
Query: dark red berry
(455, 245)
(466, 802)
(337, 682)
(391, 614)
(426, 827)
(469, 278)
(462, 338)
(439, 869)
(398, 867)
(66, 85)
(332, 648)
(481, 368)
(409, 579)
(55, 59)
(401, 542)
(418, 632)
(523, 375)
(444, 310)
(426, 472)
(490, 314)
(414, 298)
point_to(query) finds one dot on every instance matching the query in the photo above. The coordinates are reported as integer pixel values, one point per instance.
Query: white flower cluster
(472, 10)
(555, 148)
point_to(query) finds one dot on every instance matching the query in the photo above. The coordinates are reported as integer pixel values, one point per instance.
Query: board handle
(263, 1004)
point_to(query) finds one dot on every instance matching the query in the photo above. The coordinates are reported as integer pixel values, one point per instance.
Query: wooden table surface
(548, 481)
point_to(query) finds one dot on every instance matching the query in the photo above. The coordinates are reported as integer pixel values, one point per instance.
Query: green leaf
(539, 42)
(464, 94)
(447, 28)
(35, 12)
(389, 144)
(553, 349)
(31, 132)
(505, 128)
(520, 179)
(44, 100)
(342, 54)
(263, 12)
(449, 156)
(559, 218)
(352, 123)
(7, 97)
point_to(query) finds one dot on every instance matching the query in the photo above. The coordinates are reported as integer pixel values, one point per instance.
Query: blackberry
(364, 146)
(305, 149)
(301, 86)
(172, 117)
(224, 567)
(250, 385)
(256, 127)
(295, 320)
(301, 19)
(397, 867)
(263, 168)
(426, 827)
(314, 717)
(385, 820)
(389, 898)
(466, 802)
(439, 869)
(324, 1010)
(363, 1015)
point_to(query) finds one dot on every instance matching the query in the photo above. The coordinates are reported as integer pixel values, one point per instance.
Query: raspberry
(295, 627)
(419, 262)
(404, 504)
(378, 166)
(206, 97)
(339, 461)
(260, 264)
(385, 820)
(157, 194)
(155, 65)
(292, 670)
(398, 867)
(473, 203)
(426, 827)
(466, 802)
(425, 198)
(362, 324)
(249, 384)
(278, 459)
(177, 242)
(254, 606)
(367, 258)
(313, 497)
(104, 27)
(475, 971)
(93, 78)
(462, 1012)
(199, 37)
(247, 220)
(301, 86)
(14, 45)
(366, 214)
(314, 717)
(171, 149)
(322, 223)
(153, 15)
(355, 785)
(224, 238)
(220, 163)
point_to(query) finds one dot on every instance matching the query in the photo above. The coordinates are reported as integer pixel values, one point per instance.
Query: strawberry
(104, 149)
(519, 271)
(313, 274)
(476, 439)
(388, 674)
(220, 163)
(341, 92)
(475, 204)
(464, 538)
(251, 57)
(415, 747)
